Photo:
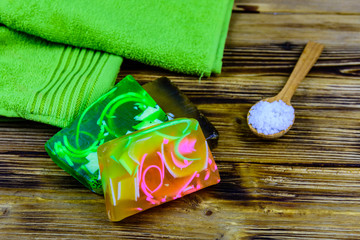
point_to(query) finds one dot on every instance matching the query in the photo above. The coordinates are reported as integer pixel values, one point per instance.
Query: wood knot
(208, 213)
(287, 46)
(5, 212)
(238, 120)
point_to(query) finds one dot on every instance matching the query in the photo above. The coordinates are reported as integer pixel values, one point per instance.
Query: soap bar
(176, 104)
(124, 109)
(155, 165)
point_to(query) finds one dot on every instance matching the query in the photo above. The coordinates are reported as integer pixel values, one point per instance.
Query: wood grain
(328, 7)
(334, 30)
(305, 185)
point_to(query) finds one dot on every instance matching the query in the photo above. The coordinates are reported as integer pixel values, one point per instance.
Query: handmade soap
(155, 165)
(124, 109)
(176, 104)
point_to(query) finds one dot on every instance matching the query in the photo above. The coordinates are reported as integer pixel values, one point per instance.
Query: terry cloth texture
(185, 36)
(50, 82)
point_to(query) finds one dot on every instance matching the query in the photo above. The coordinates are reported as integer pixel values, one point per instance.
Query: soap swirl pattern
(77, 151)
(156, 165)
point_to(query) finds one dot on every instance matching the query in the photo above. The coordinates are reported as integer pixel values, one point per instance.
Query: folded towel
(49, 82)
(186, 36)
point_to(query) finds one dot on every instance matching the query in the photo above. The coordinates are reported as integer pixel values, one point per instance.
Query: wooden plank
(252, 29)
(253, 200)
(293, 6)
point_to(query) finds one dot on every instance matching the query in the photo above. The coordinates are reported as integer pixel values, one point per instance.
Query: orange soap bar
(155, 165)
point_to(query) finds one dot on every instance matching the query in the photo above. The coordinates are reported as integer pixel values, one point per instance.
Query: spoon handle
(307, 59)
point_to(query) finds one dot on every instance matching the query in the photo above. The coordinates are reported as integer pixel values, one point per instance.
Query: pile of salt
(269, 118)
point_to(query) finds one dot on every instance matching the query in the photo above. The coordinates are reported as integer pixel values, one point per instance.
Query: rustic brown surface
(304, 185)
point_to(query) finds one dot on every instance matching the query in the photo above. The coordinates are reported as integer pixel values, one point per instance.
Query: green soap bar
(124, 109)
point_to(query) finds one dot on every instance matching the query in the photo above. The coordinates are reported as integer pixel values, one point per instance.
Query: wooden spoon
(307, 59)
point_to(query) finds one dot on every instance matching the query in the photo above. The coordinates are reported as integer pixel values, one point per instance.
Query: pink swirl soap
(155, 165)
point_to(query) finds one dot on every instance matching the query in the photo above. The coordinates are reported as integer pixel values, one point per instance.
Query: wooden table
(305, 185)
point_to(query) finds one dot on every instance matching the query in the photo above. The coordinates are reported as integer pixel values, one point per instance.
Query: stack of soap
(124, 109)
(155, 165)
(124, 146)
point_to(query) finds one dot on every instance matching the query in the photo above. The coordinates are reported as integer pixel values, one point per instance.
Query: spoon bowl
(268, 136)
(307, 59)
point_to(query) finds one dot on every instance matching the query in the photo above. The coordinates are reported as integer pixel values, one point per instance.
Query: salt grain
(269, 118)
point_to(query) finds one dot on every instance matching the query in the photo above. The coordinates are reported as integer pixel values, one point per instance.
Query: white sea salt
(269, 118)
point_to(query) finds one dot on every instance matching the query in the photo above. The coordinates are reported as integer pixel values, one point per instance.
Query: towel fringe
(202, 74)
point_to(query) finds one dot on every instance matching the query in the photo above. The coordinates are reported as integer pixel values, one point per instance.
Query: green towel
(186, 36)
(50, 82)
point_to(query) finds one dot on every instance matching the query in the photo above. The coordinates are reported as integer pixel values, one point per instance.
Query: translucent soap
(175, 103)
(155, 165)
(124, 109)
